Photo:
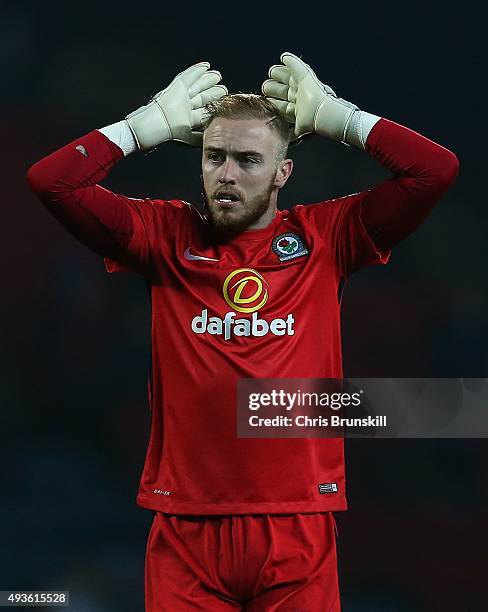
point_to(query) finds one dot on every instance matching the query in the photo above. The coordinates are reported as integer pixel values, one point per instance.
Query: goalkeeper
(241, 290)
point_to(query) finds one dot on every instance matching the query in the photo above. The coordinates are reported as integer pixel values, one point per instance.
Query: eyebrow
(241, 153)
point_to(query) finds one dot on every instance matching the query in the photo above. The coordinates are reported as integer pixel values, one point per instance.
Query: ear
(283, 172)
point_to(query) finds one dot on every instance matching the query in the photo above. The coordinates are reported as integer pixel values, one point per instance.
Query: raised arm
(67, 181)
(422, 170)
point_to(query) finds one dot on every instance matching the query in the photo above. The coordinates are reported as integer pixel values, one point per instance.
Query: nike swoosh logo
(190, 257)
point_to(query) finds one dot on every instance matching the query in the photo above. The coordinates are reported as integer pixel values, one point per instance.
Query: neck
(266, 218)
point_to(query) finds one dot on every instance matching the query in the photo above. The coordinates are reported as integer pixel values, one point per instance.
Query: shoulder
(169, 209)
(325, 209)
(165, 206)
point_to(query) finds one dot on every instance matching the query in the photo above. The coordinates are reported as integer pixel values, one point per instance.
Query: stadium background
(75, 340)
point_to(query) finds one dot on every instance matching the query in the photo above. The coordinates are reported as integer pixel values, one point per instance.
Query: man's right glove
(176, 113)
(312, 106)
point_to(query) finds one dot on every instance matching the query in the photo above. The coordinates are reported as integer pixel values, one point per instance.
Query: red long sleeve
(423, 171)
(66, 183)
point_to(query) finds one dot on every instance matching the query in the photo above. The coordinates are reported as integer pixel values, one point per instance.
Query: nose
(227, 173)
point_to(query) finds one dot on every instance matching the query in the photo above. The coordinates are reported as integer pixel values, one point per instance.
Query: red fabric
(195, 464)
(66, 182)
(423, 171)
(251, 563)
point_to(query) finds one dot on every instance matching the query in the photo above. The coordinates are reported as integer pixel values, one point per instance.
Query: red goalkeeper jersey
(262, 306)
(265, 305)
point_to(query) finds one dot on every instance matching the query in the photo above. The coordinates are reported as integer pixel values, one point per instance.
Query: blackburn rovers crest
(288, 246)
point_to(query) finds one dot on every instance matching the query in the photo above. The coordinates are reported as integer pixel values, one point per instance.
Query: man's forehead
(240, 134)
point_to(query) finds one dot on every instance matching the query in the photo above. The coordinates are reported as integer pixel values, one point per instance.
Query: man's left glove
(312, 106)
(177, 112)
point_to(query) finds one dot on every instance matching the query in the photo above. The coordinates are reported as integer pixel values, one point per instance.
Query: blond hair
(251, 106)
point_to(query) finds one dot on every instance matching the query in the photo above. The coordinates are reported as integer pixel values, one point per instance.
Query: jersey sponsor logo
(288, 246)
(328, 487)
(192, 257)
(162, 492)
(245, 291)
(229, 325)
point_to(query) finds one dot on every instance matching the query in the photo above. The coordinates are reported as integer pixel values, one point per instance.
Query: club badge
(288, 246)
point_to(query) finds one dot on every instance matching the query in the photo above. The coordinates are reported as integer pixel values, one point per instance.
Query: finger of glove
(193, 73)
(279, 73)
(208, 95)
(297, 67)
(273, 89)
(285, 108)
(293, 89)
(205, 81)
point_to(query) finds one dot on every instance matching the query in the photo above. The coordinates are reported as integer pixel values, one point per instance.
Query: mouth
(227, 200)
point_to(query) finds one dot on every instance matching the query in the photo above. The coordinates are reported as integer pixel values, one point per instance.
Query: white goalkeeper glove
(177, 112)
(295, 90)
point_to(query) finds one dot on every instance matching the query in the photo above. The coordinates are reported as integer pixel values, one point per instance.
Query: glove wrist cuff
(121, 135)
(359, 127)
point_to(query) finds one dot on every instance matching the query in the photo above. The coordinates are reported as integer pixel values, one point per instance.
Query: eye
(213, 156)
(251, 160)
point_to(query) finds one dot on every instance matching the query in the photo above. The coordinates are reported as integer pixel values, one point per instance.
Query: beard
(228, 222)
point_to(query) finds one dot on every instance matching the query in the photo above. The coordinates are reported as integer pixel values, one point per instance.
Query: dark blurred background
(75, 340)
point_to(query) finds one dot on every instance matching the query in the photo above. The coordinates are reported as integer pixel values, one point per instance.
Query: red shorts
(256, 563)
